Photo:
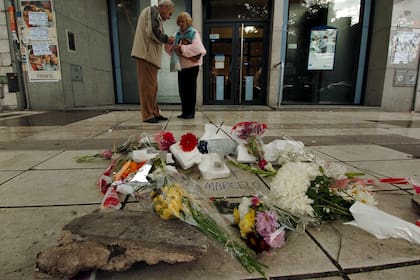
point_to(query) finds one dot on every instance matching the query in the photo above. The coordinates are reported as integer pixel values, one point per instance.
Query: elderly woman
(186, 57)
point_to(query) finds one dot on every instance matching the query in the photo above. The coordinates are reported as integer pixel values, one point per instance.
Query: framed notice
(405, 47)
(37, 13)
(322, 45)
(42, 62)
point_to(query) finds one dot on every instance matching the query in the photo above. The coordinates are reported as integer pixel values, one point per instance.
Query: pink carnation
(276, 239)
(266, 223)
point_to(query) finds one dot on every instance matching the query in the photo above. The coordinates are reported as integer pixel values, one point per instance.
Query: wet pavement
(43, 188)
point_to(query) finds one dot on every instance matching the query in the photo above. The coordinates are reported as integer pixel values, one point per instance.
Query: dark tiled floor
(52, 118)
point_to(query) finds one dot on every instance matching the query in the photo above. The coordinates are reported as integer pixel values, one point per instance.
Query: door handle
(277, 64)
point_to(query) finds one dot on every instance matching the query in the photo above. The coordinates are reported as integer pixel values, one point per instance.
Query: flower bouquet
(250, 134)
(261, 225)
(132, 143)
(105, 154)
(172, 200)
(323, 191)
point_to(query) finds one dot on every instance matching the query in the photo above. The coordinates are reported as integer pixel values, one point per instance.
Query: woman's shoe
(161, 118)
(152, 120)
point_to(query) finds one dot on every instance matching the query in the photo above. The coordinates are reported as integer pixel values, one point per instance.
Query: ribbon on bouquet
(397, 181)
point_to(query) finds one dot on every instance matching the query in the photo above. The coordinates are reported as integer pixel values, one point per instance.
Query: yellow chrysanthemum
(158, 207)
(247, 224)
(236, 216)
(175, 206)
(166, 214)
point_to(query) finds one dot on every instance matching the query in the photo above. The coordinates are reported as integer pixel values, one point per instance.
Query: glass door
(236, 64)
(325, 52)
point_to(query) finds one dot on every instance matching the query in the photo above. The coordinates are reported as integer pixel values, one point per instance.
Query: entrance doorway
(325, 52)
(236, 38)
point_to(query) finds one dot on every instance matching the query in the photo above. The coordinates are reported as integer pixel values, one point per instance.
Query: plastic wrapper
(144, 154)
(111, 199)
(383, 225)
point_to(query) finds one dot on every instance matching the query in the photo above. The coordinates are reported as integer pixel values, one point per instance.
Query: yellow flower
(236, 216)
(158, 207)
(247, 224)
(166, 214)
(175, 206)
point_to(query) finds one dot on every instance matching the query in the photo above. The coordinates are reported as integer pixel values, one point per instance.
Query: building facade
(62, 55)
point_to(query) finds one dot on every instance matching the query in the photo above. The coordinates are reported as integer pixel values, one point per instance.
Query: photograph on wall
(405, 47)
(43, 62)
(37, 13)
(322, 48)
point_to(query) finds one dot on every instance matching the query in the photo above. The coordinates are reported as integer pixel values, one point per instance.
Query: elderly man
(147, 49)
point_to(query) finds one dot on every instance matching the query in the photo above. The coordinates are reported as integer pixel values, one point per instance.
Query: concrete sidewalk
(43, 188)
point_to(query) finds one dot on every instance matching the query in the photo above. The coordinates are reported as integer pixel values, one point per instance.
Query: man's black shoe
(152, 120)
(180, 116)
(161, 118)
(188, 117)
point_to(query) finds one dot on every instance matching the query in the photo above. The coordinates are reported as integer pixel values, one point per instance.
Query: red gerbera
(188, 142)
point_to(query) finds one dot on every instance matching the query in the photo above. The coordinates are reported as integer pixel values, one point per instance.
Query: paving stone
(412, 149)
(23, 160)
(402, 123)
(51, 118)
(362, 152)
(354, 248)
(116, 240)
(406, 168)
(238, 184)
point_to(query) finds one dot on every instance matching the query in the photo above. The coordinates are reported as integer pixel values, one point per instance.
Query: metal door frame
(236, 86)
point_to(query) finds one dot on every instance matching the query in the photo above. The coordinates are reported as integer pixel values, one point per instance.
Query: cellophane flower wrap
(164, 140)
(250, 133)
(173, 197)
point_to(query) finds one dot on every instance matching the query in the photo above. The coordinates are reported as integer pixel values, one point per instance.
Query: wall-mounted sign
(405, 47)
(322, 48)
(405, 78)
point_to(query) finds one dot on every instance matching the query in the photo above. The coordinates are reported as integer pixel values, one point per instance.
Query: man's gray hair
(166, 3)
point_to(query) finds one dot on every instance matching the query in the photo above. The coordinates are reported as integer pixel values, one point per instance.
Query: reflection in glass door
(236, 64)
(326, 46)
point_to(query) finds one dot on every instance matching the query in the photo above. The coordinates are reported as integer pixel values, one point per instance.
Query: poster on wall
(322, 48)
(405, 47)
(39, 36)
(37, 13)
(42, 62)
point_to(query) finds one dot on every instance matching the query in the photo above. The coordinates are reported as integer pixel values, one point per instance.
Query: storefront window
(238, 10)
(322, 53)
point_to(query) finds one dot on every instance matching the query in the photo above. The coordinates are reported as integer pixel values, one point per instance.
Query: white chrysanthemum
(244, 207)
(290, 184)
